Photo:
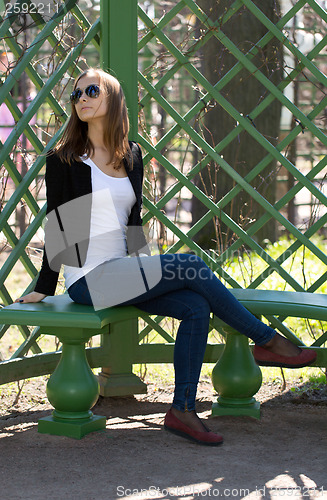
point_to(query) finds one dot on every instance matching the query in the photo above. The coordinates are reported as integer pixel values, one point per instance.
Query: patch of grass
(302, 265)
(311, 381)
(155, 373)
(163, 373)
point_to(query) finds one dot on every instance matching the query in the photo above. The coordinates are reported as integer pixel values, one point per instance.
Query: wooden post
(118, 54)
(118, 50)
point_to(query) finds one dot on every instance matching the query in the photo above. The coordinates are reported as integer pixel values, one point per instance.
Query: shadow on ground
(281, 455)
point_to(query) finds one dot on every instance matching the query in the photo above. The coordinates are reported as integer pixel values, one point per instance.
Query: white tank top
(112, 201)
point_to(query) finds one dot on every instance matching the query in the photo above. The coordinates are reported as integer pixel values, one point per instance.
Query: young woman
(95, 176)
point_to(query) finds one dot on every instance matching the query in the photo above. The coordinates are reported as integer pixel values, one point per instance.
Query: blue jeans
(189, 291)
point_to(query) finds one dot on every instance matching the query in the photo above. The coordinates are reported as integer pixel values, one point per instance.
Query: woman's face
(90, 109)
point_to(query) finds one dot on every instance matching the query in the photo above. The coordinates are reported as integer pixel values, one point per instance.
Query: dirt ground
(284, 454)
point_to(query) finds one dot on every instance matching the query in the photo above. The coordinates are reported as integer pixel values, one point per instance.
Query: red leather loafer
(174, 425)
(264, 357)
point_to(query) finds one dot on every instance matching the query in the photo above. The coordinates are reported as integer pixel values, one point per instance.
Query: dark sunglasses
(92, 91)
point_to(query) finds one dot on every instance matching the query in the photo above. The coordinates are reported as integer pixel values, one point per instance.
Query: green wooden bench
(73, 389)
(235, 376)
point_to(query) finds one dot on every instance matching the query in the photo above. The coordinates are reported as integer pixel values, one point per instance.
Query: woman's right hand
(31, 297)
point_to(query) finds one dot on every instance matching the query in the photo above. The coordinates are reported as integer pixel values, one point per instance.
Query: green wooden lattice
(89, 43)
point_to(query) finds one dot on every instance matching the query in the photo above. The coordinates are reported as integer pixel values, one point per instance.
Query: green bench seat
(274, 302)
(73, 389)
(60, 311)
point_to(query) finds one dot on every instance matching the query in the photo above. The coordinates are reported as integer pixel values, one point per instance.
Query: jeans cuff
(266, 339)
(184, 396)
(183, 409)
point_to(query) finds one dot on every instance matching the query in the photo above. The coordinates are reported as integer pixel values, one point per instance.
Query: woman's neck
(95, 134)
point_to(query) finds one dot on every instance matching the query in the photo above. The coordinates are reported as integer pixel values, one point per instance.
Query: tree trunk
(244, 92)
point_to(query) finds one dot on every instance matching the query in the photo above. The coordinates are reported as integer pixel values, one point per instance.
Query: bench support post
(72, 389)
(236, 378)
(117, 378)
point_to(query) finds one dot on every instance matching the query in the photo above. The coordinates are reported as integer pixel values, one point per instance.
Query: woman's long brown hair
(75, 141)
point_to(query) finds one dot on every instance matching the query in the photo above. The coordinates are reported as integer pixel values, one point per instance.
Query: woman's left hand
(31, 297)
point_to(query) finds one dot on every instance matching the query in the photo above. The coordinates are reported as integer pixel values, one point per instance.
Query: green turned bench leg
(236, 378)
(117, 378)
(73, 390)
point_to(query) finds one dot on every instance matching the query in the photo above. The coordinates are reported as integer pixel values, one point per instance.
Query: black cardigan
(65, 183)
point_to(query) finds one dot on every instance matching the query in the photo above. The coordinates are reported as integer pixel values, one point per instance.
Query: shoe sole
(190, 438)
(283, 365)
